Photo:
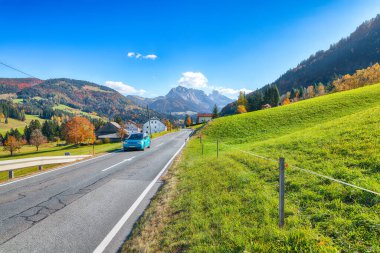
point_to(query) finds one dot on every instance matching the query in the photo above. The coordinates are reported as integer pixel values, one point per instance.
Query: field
(230, 203)
(20, 125)
(74, 111)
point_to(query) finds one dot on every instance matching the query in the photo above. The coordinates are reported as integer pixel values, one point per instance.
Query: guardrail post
(40, 167)
(11, 174)
(282, 193)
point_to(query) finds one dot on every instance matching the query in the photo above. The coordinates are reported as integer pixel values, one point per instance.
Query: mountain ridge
(183, 100)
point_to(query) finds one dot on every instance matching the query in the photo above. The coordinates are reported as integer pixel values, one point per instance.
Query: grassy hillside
(265, 124)
(71, 110)
(20, 125)
(230, 203)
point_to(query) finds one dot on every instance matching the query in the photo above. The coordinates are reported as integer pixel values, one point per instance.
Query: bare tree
(121, 133)
(37, 138)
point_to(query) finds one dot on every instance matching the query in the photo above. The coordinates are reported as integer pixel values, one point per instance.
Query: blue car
(137, 141)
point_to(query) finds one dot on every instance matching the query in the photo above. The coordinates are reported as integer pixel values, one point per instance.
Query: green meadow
(18, 124)
(230, 203)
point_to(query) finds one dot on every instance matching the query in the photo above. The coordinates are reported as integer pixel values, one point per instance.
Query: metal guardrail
(10, 165)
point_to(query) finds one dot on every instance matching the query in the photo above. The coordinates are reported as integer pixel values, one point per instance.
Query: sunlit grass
(230, 203)
(17, 124)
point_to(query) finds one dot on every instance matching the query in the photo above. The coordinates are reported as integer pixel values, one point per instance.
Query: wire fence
(281, 166)
(218, 142)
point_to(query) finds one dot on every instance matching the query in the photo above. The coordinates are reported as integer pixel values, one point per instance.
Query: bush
(106, 140)
(98, 142)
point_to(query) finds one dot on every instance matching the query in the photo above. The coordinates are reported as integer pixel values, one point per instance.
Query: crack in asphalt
(41, 211)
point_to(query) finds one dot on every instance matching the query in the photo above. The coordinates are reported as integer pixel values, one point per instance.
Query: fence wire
(305, 170)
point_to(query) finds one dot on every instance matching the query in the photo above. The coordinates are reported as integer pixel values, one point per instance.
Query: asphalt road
(83, 207)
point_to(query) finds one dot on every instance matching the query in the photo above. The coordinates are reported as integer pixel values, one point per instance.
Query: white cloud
(194, 80)
(140, 56)
(198, 80)
(231, 93)
(150, 56)
(124, 89)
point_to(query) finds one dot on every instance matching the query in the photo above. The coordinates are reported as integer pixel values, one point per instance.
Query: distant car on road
(138, 141)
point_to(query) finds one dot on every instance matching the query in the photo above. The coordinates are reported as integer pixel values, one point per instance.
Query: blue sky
(227, 45)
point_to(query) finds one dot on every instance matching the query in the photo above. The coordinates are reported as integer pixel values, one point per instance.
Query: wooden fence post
(217, 148)
(282, 193)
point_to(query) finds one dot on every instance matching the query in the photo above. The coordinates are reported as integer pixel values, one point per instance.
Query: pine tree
(255, 101)
(215, 112)
(301, 93)
(275, 96)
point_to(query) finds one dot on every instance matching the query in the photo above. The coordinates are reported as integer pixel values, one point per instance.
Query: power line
(18, 70)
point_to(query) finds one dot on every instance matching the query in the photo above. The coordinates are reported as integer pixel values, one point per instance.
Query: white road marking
(125, 160)
(52, 170)
(102, 246)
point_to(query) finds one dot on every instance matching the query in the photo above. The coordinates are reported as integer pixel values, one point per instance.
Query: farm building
(204, 117)
(132, 127)
(156, 125)
(110, 131)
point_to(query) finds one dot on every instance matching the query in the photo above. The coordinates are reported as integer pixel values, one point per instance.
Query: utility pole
(281, 208)
(150, 128)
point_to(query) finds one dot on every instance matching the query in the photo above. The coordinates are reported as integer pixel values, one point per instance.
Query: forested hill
(13, 85)
(360, 50)
(86, 96)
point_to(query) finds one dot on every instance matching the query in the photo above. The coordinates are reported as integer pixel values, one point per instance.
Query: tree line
(269, 95)
(76, 130)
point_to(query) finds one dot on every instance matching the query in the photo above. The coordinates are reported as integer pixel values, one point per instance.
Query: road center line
(159, 145)
(125, 160)
(102, 246)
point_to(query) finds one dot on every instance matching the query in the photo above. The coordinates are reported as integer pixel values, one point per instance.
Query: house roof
(109, 128)
(205, 115)
(115, 124)
(131, 122)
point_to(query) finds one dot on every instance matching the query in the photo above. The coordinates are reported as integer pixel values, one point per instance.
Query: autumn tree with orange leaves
(79, 130)
(241, 103)
(12, 144)
(360, 78)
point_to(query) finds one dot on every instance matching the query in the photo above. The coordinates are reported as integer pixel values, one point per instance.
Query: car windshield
(136, 137)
